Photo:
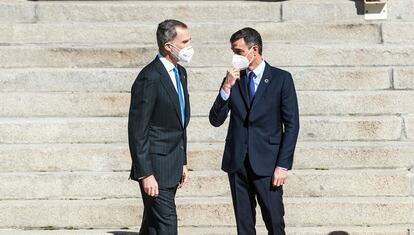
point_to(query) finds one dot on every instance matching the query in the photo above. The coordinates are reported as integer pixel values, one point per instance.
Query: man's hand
(233, 75)
(184, 178)
(279, 177)
(150, 186)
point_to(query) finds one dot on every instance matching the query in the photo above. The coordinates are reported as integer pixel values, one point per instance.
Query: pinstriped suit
(158, 141)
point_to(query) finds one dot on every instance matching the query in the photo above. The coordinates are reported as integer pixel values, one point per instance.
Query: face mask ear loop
(174, 46)
(175, 54)
(250, 50)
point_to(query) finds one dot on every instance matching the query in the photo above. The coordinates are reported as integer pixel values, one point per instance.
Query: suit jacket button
(182, 147)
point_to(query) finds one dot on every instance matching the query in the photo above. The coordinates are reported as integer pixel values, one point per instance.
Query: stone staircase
(66, 69)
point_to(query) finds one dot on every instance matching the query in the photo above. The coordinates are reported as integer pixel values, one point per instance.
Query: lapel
(243, 88)
(183, 79)
(168, 85)
(264, 83)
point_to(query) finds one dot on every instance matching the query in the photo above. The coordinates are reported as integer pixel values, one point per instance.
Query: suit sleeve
(290, 119)
(185, 147)
(188, 119)
(219, 110)
(143, 99)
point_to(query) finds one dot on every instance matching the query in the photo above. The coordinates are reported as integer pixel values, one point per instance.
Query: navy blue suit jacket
(265, 129)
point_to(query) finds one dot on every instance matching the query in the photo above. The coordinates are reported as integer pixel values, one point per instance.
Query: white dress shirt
(169, 67)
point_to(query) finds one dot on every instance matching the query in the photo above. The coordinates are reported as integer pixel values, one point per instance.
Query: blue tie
(252, 76)
(180, 93)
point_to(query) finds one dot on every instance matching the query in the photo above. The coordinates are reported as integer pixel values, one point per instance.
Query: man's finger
(184, 182)
(274, 181)
(279, 182)
(149, 191)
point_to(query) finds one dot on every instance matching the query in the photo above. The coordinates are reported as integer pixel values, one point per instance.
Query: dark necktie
(252, 90)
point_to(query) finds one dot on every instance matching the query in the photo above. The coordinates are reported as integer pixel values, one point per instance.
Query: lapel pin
(266, 80)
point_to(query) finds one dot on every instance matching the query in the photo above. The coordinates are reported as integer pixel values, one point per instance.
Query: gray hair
(166, 32)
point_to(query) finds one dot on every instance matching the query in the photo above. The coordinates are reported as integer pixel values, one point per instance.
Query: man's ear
(168, 47)
(256, 50)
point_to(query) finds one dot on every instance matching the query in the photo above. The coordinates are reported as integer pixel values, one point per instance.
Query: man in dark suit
(262, 133)
(158, 117)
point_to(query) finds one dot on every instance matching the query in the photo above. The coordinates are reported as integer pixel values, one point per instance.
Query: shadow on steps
(123, 233)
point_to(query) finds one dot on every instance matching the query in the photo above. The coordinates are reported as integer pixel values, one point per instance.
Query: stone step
(321, 11)
(334, 103)
(129, 56)
(17, 11)
(195, 11)
(113, 130)
(216, 230)
(139, 11)
(398, 32)
(403, 78)
(374, 103)
(104, 33)
(64, 157)
(117, 104)
(409, 122)
(213, 211)
(317, 128)
(200, 79)
(63, 130)
(64, 104)
(201, 156)
(339, 11)
(401, 10)
(105, 185)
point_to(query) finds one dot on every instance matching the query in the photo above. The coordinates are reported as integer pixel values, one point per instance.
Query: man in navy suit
(262, 133)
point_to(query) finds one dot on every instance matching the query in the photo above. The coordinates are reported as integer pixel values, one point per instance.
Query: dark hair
(166, 32)
(250, 36)
(338, 233)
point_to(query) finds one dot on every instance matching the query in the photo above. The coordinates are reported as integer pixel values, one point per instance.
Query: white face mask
(185, 54)
(241, 62)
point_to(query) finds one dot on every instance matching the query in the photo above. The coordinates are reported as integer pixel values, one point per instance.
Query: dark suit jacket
(266, 129)
(157, 139)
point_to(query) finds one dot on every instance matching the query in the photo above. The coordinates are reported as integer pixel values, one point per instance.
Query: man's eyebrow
(185, 41)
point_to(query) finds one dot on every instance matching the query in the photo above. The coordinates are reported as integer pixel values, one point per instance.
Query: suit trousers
(246, 186)
(160, 214)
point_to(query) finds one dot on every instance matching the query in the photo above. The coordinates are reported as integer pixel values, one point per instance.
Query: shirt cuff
(225, 96)
(143, 177)
(282, 168)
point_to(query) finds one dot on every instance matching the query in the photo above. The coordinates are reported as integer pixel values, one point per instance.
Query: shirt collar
(167, 64)
(258, 71)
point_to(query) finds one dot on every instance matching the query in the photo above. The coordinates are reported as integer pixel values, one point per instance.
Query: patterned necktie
(252, 89)
(180, 93)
